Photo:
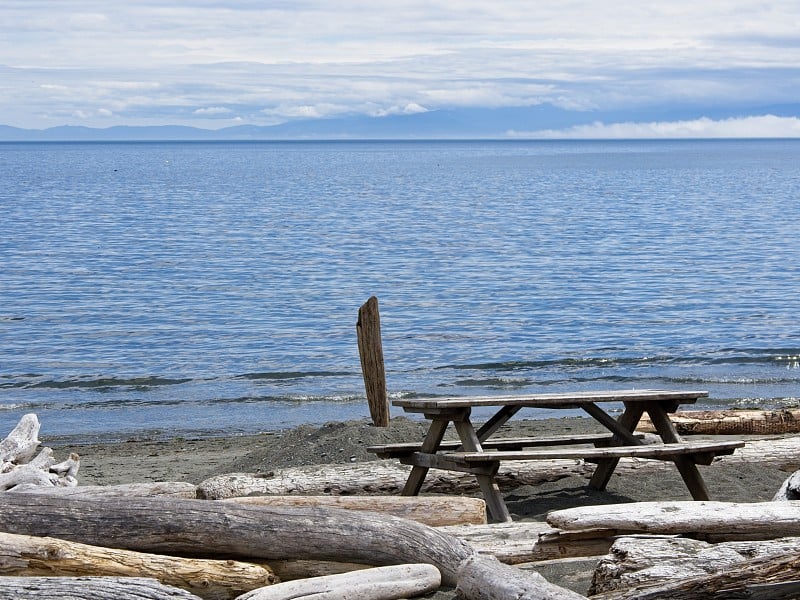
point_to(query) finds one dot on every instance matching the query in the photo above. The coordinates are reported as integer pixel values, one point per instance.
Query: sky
(214, 64)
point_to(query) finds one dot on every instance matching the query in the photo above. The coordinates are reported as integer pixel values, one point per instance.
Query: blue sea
(203, 289)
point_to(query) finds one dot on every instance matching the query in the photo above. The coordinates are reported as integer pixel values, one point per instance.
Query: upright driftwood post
(368, 329)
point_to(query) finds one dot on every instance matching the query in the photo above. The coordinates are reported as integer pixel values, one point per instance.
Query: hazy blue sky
(213, 63)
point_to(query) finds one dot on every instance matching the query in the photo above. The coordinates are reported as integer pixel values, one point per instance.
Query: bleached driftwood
(23, 555)
(379, 583)
(258, 532)
(21, 444)
(789, 490)
(711, 520)
(389, 477)
(21, 466)
(731, 422)
(766, 578)
(635, 562)
(88, 588)
(526, 541)
(430, 510)
(170, 489)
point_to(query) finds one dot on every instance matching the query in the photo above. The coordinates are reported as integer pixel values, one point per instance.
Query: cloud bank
(766, 126)
(211, 64)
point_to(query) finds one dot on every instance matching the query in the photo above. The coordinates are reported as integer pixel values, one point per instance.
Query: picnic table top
(556, 400)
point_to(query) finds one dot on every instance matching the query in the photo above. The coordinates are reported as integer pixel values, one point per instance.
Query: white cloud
(411, 108)
(767, 126)
(179, 60)
(213, 111)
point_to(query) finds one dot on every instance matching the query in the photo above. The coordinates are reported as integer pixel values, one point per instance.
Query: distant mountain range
(467, 123)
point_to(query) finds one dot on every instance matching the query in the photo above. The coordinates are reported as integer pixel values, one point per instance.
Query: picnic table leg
(497, 421)
(686, 466)
(429, 445)
(491, 491)
(628, 421)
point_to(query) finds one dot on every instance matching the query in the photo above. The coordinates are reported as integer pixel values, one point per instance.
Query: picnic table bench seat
(407, 448)
(702, 452)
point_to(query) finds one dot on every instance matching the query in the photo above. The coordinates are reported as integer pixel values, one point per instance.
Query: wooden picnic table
(479, 453)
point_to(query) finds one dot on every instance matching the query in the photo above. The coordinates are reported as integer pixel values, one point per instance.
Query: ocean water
(197, 289)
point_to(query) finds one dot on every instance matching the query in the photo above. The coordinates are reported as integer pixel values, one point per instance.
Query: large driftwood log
(88, 588)
(767, 578)
(429, 510)
(711, 520)
(379, 583)
(23, 555)
(731, 422)
(389, 477)
(193, 527)
(635, 562)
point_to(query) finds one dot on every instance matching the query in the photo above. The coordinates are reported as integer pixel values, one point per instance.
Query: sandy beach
(193, 460)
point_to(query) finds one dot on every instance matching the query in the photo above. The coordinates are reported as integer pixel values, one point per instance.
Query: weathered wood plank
(556, 399)
(403, 449)
(653, 451)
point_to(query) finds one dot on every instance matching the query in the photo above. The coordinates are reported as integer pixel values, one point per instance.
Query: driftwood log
(379, 583)
(194, 527)
(389, 477)
(636, 562)
(429, 510)
(23, 555)
(768, 578)
(88, 588)
(731, 422)
(707, 520)
(168, 489)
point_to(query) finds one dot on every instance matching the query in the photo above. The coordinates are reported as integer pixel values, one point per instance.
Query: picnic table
(479, 453)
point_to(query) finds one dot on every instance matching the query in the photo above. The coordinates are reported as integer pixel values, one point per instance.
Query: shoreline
(340, 442)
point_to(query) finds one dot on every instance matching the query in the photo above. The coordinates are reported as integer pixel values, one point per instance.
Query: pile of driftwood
(258, 539)
(152, 542)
